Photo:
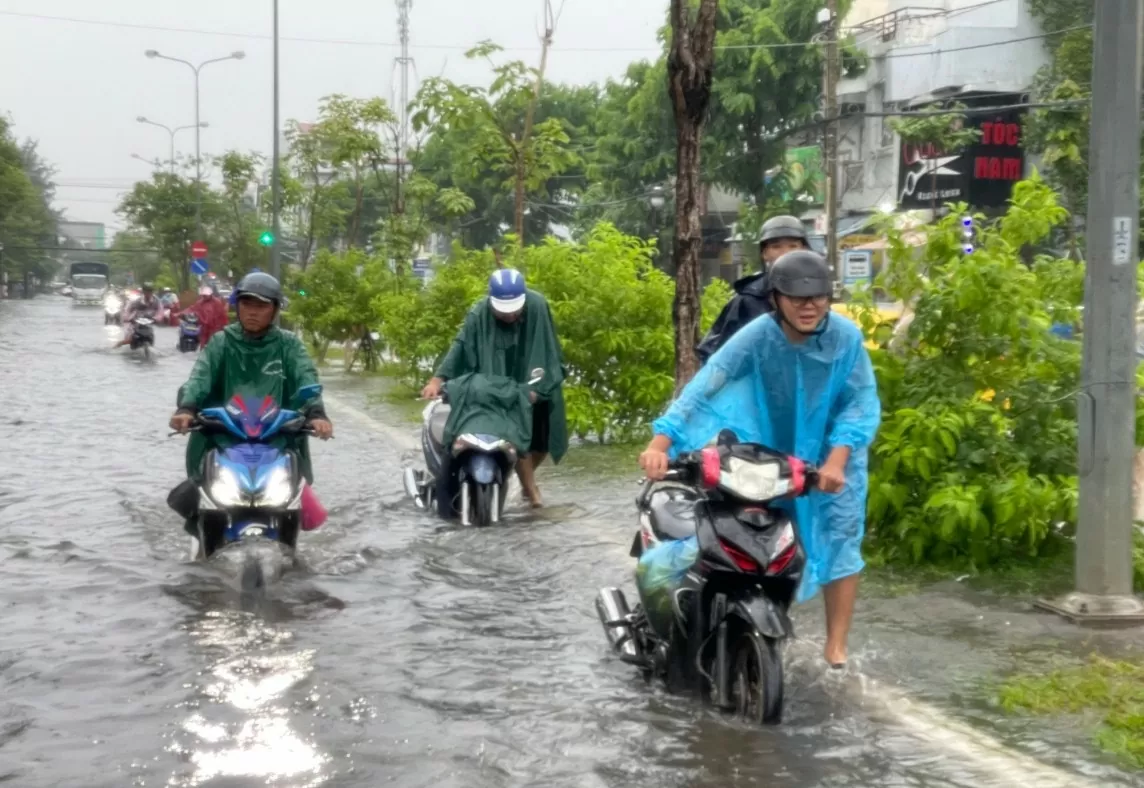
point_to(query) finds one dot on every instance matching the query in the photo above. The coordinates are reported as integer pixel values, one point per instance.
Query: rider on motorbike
(510, 333)
(211, 312)
(145, 306)
(798, 381)
(779, 235)
(255, 358)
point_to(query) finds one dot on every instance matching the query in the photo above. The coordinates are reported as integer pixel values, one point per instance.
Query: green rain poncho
(275, 364)
(510, 350)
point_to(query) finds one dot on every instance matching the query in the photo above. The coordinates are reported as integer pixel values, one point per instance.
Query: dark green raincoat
(513, 350)
(275, 364)
(489, 405)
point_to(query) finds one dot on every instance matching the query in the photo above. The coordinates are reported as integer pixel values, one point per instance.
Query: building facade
(982, 54)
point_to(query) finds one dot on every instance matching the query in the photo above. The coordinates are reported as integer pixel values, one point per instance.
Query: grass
(1112, 689)
(402, 398)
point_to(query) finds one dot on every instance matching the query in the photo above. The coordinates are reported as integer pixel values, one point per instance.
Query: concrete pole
(275, 185)
(198, 162)
(830, 137)
(1107, 405)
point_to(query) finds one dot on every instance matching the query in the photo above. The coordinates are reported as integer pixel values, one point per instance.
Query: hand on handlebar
(322, 429)
(182, 422)
(831, 478)
(432, 389)
(654, 463)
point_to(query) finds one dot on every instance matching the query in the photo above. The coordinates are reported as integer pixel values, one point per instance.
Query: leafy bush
(611, 305)
(976, 458)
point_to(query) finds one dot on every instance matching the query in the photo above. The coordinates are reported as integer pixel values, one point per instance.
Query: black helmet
(260, 285)
(801, 274)
(147, 287)
(782, 227)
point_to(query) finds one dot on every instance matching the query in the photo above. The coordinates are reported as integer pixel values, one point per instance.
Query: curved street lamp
(171, 131)
(238, 55)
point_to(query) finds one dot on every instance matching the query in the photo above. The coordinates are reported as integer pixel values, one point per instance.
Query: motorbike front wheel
(757, 679)
(482, 504)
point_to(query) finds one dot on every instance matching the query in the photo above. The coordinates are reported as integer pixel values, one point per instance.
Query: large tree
(27, 222)
(497, 130)
(689, 73)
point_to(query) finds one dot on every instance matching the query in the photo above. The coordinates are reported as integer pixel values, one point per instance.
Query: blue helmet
(506, 290)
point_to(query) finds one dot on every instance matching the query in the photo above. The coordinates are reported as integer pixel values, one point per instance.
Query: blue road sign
(199, 267)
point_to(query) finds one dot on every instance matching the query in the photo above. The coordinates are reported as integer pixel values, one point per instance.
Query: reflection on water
(255, 671)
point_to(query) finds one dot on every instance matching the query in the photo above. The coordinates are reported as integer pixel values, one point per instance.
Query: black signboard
(982, 174)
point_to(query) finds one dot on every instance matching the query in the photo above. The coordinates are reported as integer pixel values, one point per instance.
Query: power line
(456, 47)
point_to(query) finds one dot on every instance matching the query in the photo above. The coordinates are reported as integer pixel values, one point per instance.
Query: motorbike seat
(437, 424)
(672, 514)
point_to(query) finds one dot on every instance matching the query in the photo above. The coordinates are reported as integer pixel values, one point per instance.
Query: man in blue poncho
(799, 381)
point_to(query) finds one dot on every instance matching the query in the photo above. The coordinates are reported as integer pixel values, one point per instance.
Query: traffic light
(267, 238)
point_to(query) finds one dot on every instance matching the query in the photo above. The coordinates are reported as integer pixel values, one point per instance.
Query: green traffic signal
(267, 238)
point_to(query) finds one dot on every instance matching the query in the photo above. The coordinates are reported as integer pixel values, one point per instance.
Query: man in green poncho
(510, 334)
(256, 359)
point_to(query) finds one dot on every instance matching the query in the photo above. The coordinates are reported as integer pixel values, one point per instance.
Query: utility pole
(829, 19)
(275, 183)
(404, 61)
(1107, 405)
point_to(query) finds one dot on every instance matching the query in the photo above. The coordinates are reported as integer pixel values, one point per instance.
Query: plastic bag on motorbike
(659, 573)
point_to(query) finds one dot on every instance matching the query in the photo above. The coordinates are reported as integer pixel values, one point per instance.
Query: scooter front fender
(482, 467)
(767, 617)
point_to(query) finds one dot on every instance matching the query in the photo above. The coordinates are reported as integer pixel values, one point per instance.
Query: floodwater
(405, 653)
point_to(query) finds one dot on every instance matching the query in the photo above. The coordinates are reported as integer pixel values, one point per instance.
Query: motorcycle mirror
(307, 393)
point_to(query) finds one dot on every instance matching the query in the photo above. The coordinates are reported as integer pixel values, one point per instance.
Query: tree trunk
(689, 71)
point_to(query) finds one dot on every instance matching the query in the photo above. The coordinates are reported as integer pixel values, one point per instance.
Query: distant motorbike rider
(211, 312)
(779, 235)
(511, 333)
(146, 305)
(254, 358)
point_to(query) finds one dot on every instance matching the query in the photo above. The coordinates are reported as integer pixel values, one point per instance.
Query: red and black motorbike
(718, 630)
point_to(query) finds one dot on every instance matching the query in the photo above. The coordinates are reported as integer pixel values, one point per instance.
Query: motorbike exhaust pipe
(412, 488)
(611, 606)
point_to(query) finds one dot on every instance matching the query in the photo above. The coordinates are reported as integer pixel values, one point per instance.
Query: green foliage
(975, 460)
(612, 309)
(1114, 689)
(491, 125)
(27, 222)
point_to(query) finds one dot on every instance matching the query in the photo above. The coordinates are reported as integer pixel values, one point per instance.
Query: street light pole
(171, 131)
(239, 55)
(275, 184)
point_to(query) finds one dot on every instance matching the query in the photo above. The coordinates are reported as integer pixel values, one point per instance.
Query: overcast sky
(78, 87)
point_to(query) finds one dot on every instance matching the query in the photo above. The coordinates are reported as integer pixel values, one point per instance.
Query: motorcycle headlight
(754, 481)
(225, 490)
(278, 489)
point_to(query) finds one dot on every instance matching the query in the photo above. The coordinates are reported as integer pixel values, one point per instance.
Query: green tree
(239, 224)
(1060, 134)
(498, 128)
(164, 209)
(27, 222)
(132, 252)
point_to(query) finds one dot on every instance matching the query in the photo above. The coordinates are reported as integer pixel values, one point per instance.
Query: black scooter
(719, 632)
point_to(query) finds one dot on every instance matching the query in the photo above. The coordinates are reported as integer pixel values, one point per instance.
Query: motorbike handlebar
(200, 425)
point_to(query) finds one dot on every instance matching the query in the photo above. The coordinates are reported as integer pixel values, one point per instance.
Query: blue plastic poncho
(802, 400)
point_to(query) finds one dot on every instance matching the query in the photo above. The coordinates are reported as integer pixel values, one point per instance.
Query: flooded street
(405, 653)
